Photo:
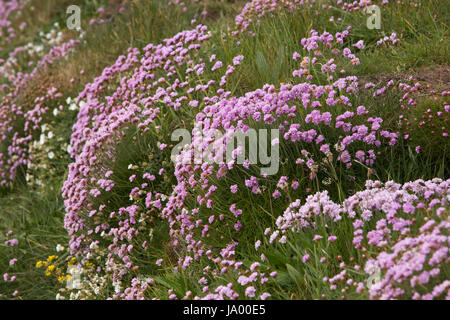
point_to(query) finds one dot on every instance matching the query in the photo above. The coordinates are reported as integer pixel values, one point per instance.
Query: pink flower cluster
(19, 121)
(404, 227)
(391, 40)
(322, 46)
(161, 78)
(9, 276)
(254, 10)
(323, 121)
(7, 10)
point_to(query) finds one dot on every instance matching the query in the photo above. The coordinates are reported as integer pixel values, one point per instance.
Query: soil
(435, 78)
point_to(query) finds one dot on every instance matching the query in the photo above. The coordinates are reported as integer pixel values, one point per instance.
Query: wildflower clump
(400, 238)
(20, 119)
(164, 83)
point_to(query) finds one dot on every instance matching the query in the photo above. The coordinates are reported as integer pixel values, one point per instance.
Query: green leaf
(277, 71)
(295, 275)
(262, 65)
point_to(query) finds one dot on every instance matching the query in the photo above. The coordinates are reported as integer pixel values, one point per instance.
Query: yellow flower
(51, 258)
(72, 261)
(39, 264)
(51, 268)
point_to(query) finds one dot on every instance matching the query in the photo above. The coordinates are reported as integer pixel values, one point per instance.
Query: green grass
(37, 220)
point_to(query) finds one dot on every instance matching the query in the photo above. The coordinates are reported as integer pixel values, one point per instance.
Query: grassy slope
(37, 216)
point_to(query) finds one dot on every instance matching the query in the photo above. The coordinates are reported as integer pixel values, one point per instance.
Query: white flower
(51, 155)
(55, 112)
(132, 167)
(50, 135)
(59, 248)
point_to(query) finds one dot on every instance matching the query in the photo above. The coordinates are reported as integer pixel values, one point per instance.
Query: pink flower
(250, 292)
(265, 295)
(332, 238)
(317, 237)
(237, 60)
(359, 44)
(217, 65)
(276, 194)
